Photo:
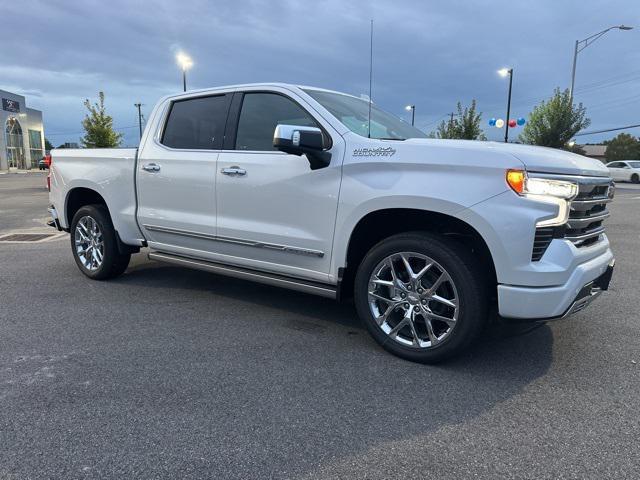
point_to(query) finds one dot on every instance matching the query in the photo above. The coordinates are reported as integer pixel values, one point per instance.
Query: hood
(535, 159)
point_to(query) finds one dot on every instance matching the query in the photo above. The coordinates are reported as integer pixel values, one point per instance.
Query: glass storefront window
(35, 147)
(15, 146)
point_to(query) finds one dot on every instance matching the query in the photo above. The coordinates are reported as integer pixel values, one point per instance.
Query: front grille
(586, 216)
(588, 211)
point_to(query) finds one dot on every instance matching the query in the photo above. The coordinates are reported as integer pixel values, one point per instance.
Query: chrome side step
(315, 288)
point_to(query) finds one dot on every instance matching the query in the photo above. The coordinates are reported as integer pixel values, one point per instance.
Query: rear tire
(635, 178)
(95, 245)
(444, 306)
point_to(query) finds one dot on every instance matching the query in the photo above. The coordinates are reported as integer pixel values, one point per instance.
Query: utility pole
(138, 106)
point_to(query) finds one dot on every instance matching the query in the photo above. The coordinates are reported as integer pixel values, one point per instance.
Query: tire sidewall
(472, 304)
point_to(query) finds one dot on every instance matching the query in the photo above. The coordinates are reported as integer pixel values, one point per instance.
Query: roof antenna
(370, 79)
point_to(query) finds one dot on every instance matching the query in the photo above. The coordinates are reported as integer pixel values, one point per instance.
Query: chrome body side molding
(315, 288)
(239, 241)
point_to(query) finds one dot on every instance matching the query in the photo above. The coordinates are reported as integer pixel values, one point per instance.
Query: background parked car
(625, 170)
(45, 162)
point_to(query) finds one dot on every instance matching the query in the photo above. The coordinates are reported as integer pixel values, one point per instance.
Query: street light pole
(582, 44)
(503, 73)
(138, 106)
(413, 113)
(185, 63)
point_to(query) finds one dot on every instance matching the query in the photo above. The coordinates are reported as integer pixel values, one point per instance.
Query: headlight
(523, 185)
(558, 192)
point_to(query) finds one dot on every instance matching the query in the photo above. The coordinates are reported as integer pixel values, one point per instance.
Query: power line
(607, 130)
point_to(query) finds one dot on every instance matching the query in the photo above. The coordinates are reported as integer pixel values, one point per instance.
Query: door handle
(151, 167)
(234, 171)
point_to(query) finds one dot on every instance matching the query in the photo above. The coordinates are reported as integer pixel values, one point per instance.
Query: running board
(323, 290)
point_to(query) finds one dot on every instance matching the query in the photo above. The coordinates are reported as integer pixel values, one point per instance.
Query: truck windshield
(354, 114)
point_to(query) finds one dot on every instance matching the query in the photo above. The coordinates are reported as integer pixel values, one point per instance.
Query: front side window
(614, 165)
(259, 116)
(353, 113)
(196, 123)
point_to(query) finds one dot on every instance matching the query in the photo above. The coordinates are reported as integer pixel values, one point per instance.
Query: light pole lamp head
(625, 27)
(408, 108)
(503, 72)
(184, 61)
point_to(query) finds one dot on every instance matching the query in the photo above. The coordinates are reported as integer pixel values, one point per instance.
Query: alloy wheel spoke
(421, 273)
(453, 303)
(407, 266)
(434, 288)
(82, 225)
(381, 298)
(386, 283)
(382, 319)
(412, 324)
(401, 324)
(448, 321)
(432, 336)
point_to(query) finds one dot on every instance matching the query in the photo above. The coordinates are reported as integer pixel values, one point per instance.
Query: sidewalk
(13, 170)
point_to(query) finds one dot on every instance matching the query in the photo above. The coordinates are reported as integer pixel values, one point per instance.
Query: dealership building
(21, 133)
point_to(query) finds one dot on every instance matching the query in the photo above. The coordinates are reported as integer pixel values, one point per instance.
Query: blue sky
(428, 53)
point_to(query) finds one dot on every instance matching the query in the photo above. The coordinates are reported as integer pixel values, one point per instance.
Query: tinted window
(260, 114)
(614, 165)
(197, 123)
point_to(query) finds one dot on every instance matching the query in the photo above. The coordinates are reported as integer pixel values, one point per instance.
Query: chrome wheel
(89, 243)
(413, 299)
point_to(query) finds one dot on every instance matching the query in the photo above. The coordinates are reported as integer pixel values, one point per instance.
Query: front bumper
(586, 282)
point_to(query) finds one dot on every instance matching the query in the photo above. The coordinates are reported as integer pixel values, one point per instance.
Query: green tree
(47, 144)
(555, 121)
(444, 130)
(623, 147)
(99, 126)
(466, 126)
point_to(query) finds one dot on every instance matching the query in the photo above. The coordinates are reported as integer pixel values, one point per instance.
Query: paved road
(170, 373)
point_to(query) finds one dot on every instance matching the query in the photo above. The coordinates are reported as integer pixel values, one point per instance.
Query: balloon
(512, 123)
(521, 121)
(499, 123)
(492, 122)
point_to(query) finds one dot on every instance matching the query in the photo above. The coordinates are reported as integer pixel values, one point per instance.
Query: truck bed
(108, 171)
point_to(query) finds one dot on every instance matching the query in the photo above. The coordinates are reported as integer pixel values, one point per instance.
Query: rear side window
(196, 123)
(260, 114)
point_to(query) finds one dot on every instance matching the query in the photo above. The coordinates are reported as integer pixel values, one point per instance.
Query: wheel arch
(77, 198)
(383, 223)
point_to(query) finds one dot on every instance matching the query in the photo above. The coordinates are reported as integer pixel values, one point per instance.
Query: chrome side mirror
(299, 140)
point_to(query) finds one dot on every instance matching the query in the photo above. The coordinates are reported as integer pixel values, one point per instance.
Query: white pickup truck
(307, 189)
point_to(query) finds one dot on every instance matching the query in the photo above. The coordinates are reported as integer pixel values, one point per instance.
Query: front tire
(422, 297)
(94, 244)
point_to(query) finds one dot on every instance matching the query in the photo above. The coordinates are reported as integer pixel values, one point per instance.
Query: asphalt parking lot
(171, 373)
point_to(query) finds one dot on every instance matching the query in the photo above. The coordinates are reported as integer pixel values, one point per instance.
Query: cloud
(428, 53)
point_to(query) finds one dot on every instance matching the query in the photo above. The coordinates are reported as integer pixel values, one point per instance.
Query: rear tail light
(49, 161)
